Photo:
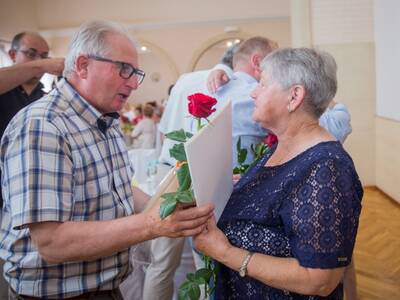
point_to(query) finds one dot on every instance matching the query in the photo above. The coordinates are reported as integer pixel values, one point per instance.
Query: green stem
(198, 124)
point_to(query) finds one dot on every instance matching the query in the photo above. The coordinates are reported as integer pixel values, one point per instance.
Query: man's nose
(132, 82)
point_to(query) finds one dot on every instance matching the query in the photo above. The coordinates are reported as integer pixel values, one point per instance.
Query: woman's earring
(289, 108)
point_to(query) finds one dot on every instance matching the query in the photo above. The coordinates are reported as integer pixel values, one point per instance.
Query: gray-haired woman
(289, 228)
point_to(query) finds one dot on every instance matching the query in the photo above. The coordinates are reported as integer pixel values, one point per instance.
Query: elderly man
(68, 214)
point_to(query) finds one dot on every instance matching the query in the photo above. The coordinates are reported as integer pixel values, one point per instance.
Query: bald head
(26, 37)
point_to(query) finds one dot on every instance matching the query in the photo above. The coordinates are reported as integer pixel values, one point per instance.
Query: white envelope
(209, 155)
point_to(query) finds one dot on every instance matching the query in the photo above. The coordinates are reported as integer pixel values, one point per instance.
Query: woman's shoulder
(328, 150)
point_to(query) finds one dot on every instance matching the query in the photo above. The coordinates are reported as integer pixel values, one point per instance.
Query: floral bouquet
(200, 107)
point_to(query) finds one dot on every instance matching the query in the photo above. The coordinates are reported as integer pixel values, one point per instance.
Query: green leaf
(204, 274)
(185, 197)
(242, 154)
(190, 276)
(189, 290)
(167, 206)
(178, 135)
(239, 144)
(259, 150)
(184, 178)
(188, 134)
(178, 152)
(236, 170)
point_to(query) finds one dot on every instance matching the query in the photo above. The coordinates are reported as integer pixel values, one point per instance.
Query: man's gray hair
(90, 39)
(258, 44)
(315, 70)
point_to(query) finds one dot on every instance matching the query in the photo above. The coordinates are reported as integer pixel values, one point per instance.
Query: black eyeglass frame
(122, 65)
(32, 53)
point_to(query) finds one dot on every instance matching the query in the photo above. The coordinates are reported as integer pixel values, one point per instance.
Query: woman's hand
(212, 241)
(236, 178)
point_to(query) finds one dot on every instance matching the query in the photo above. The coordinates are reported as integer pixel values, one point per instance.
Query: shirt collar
(83, 108)
(244, 76)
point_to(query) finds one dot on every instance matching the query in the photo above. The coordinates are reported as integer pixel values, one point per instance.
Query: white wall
(387, 26)
(17, 16)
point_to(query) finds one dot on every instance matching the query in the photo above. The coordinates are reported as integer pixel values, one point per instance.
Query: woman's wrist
(226, 254)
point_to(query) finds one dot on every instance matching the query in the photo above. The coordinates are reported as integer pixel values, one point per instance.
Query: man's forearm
(11, 77)
(140, 199)
(89, 240)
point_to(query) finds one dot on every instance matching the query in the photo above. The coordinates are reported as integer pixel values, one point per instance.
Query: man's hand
(183, 222)
(216, 79)
(53, 66)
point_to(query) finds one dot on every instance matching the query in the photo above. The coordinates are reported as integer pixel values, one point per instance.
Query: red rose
(200, 105)
(270, 140)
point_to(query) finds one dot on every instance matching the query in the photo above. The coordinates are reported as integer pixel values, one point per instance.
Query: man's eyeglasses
(126, 70)
(32, 53)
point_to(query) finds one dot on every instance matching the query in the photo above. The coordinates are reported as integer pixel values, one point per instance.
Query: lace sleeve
(323, 212)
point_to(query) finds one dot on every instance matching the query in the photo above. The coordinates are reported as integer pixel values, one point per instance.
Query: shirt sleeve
(38, 174)
(323, 215)
(228, 71)
(336, 121)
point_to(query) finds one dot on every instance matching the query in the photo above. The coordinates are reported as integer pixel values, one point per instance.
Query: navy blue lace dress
(307, 208)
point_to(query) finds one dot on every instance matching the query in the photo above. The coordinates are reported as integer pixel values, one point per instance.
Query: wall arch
(210, 43)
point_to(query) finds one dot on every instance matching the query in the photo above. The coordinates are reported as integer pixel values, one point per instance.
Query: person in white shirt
(145, 131)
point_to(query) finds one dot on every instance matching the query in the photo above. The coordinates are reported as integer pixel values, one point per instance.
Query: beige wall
(69, 13)
(387, 156)
(17, 16)
(356, 82)
(345, 29)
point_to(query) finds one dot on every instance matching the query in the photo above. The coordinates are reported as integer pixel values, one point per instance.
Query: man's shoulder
(236, 87)
(50, 108)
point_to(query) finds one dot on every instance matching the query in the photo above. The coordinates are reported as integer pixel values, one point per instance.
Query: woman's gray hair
(315, 70)
(90, 39)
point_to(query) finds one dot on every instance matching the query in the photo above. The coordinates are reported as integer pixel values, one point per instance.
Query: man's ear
(296, 97)
(81, 66)
(12, 53)
(255, 60)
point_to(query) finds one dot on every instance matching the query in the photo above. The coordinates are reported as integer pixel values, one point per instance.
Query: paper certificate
(209, 155)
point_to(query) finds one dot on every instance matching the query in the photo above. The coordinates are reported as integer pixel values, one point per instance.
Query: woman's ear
(296, 97)
(81, 66)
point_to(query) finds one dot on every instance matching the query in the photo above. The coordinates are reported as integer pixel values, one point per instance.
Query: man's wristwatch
(243, 267)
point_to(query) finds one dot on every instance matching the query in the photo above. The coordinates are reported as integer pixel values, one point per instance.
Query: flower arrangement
(200, 106)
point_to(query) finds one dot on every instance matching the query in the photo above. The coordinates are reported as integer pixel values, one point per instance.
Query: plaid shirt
(61, 160)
